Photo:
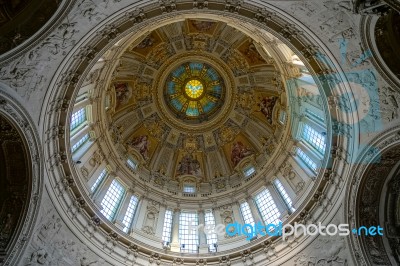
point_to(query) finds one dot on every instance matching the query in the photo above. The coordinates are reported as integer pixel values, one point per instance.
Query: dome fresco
(194, 91)
(226, 95)
(197, 113)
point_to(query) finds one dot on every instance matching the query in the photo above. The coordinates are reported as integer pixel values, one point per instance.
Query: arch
(373, 199)
(20, 178)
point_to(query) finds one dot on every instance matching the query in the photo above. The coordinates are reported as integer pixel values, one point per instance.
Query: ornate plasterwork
(61, 170)
(23, 39)
(26, 128)
(367, 28)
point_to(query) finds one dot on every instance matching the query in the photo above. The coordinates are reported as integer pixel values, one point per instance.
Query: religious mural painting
(147, 44)
(141, 144)
(122, 93)
(202, 25)
(265, 106)
(249, 50)
(239, 151)
(189, 165)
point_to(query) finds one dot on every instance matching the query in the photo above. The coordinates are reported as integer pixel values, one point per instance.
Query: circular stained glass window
(194, 91)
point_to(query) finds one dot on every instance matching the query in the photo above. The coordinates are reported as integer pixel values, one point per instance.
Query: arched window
(99, 180)
(189, 188)
(284, 195)
(312, 137)
(78, 118)
(112, 199)
(167, 227)
(249, 170)
(306, 159)
(188, 238)
(211, 237)
(130, 212)
(267, 207)
(246, 213)
(80, 143)
(131, 163)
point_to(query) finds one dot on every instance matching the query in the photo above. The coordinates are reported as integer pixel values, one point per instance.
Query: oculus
(194, 92)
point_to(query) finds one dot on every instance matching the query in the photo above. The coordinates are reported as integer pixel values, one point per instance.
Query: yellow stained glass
(194, 89)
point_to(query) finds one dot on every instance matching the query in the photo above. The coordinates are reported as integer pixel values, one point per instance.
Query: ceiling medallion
(194, 91)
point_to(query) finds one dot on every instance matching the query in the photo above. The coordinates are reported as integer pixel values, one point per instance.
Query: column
(160, 222)
(283, 209)
(122, 211)
(101, 192)
(88, 154)
(95, 175)
(203, 247)
(254, 210)
(138, 220)
(236, 213)
(175, 231)
(288, 188)
(218, 221)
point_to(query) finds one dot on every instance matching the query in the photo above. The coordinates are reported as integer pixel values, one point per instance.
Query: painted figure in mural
(189, 166)
(252, 54)
(122, 92)
(147, 42)
(142, 144)
(239, 151)
(266, 106)
(202, 25)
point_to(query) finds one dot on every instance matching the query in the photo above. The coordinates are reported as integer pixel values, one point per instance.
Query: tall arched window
(284, 195)
(267, 207)
(188, 238)
(130, 212)
(112, 199)
(99, 180)
(312, 137)
(211, 237)
(78, 118)
(246, 213)
(167, 227)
